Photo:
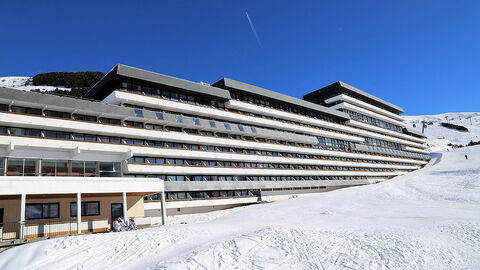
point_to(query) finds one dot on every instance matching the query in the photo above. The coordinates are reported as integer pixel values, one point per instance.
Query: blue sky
(421, 55)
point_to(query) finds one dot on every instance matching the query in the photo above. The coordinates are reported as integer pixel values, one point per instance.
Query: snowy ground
(439, 137)
(24, 83)
(427, 219)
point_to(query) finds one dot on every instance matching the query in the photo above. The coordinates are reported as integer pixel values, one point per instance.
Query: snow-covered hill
(439, 137)
(25, 83)
(427, 219)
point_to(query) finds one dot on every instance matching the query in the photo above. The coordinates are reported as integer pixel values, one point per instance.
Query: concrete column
(164, 210)
(79, 213)
(124, 197)
(23, 202)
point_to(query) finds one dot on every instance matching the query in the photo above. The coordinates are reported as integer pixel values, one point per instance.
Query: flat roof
(252, 89)
(352, 89)
(156, 78)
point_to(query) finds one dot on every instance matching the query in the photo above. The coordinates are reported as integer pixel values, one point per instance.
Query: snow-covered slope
(439, 137)
(25, 83)
(427, 219)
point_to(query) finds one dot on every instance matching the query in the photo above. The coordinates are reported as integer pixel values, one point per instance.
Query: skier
(466, 157)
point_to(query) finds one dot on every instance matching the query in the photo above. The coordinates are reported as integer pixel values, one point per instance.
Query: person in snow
(466, 157)
(119, 225)
(132, 226)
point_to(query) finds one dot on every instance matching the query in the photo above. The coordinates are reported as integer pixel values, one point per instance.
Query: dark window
(133, 124)
(159, 115)
(138, 112)
(56, 114)
(26, 110)
(85, 117)
(88, 209)
(42, 210)
(110, 121)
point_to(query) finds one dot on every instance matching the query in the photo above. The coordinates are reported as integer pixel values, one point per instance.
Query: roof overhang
(230, 84)
(123, 71)
(351, 89)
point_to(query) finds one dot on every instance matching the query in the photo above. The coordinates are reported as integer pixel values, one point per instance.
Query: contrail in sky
(254, 31)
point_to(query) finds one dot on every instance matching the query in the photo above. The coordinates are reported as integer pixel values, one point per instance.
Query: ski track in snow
(427, 219)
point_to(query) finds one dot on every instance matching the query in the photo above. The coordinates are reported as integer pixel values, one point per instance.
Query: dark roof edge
(414, 132)
(141, 74)
(355, 90)
(229, 83)
(363, 93)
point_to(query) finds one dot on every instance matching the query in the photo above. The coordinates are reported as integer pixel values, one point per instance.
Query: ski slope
(427, 219)
(25, 83)
(438, 137)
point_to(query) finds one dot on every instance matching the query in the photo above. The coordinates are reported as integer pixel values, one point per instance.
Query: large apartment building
(141, 144)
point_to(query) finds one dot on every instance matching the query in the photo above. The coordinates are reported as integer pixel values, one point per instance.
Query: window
(84, 168)
(213, 124)
(17, 131)
(227, 126)
(152, 126)
(2, 167)
(85, 117)
(159, 115)
(254, 130)
(56, 134)
(176, 129)
(21, 167)
(32, 132)
(196, 121)
(42, 210)
(54, 168)
(179, 119)
(110, 121)
(88, 209)
(84, 137)
(133, 124)
(26, 110)
(57, 114)
(110, 169)
(240, 127)
(138, 113)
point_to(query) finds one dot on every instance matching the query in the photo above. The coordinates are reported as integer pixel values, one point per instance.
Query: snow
(25, 83)
(427, 219)
(438, 137)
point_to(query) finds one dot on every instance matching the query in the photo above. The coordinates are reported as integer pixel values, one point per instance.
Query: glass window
(179, 119)
(29, 167)
(212, 124)
(196, 121)
(78, 168)
(90, 168)
(240, 127)
(32, 132)
(42, 210)
(48, 168)
(17, 131)
(88, 209)
(62, 168)
(254, 130)
(15, 167)
(159, 115)
(110, 169)
(227, 126)
(138, 112)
